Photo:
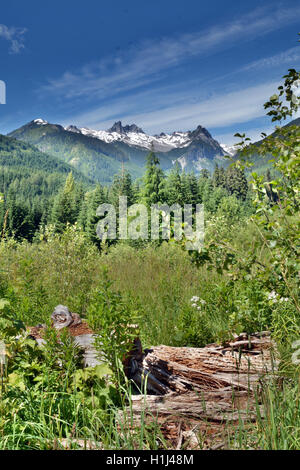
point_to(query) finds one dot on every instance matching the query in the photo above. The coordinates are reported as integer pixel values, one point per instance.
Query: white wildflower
(195, 299)
(272, 295)
(3, 354)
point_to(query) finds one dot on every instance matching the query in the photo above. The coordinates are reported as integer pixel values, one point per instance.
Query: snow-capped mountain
(40, 122)
(229, 149)
(135, 136)
(100, 154)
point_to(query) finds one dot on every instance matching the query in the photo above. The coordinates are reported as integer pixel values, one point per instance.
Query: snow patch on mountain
(229, 149)
(134, 136)
(182, 162)
(40, 122)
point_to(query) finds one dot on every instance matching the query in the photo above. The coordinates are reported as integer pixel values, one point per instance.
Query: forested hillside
(40, 193)
(29, 181)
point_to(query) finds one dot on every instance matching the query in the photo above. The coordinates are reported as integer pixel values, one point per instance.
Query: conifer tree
(94, 201)
(193, 188)
(216, 177)
(204, 173)
(153, 191)
(122, 186)
(207, 195)
(236, 182)
(174, 187)
(64, 208)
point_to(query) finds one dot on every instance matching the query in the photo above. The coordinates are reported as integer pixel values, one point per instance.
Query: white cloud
(290, 56)
(148, 62)
(220, 110)
(15, 36)
(254, 134)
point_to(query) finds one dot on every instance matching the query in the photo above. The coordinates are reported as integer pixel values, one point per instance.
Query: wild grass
(158, 283)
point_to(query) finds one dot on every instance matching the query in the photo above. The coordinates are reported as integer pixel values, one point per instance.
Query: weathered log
(239, 364)
(216, 384)
(217, 407)
(83, 336)
(78, 329)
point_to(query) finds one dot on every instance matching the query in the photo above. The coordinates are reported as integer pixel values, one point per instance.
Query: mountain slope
(32, 176)
(15, 154)
(101, 154)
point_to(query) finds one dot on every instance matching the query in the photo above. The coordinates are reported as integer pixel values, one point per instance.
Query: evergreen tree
(216, 177)
(122, 186)
(204, 173)
(202, 182)
(194, 189)
(64, 207)
(236, 182)
(94, 201)
(222, 177)
(82, 216)
(153, 191)
(207, 195)
(20, 221)
(174, 187)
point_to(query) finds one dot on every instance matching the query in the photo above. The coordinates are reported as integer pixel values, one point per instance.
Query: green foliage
(122, 186)
(113, 321)
(153, 181)
(64, 208)
(267, 290)
(245, 279)
(231, 209)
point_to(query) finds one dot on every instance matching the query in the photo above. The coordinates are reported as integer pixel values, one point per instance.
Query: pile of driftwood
(184, 388)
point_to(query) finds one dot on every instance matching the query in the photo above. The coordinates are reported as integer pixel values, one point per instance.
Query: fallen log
(217, 383)
(83, 336)
(239, 365)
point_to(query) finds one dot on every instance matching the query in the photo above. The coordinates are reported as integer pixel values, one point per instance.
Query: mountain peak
(73, 128)
(40, 122)
(119, 129)
(200, 132)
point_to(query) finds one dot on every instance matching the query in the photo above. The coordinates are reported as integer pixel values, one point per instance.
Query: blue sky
(164, 65)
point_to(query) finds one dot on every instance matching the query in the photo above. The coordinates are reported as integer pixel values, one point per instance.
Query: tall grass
(158, 283)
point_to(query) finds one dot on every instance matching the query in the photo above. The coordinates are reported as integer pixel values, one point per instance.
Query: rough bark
(214, 383)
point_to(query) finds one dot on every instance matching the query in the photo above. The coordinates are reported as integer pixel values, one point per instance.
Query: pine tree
(216, 177)
(204, 173)
(194, 189)
(207, 195)
(64, 207)
(94, 201)
(82, 216)
(153, 191)
(222, 177)
(174, 187)
(236, 182)
(122, 186)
